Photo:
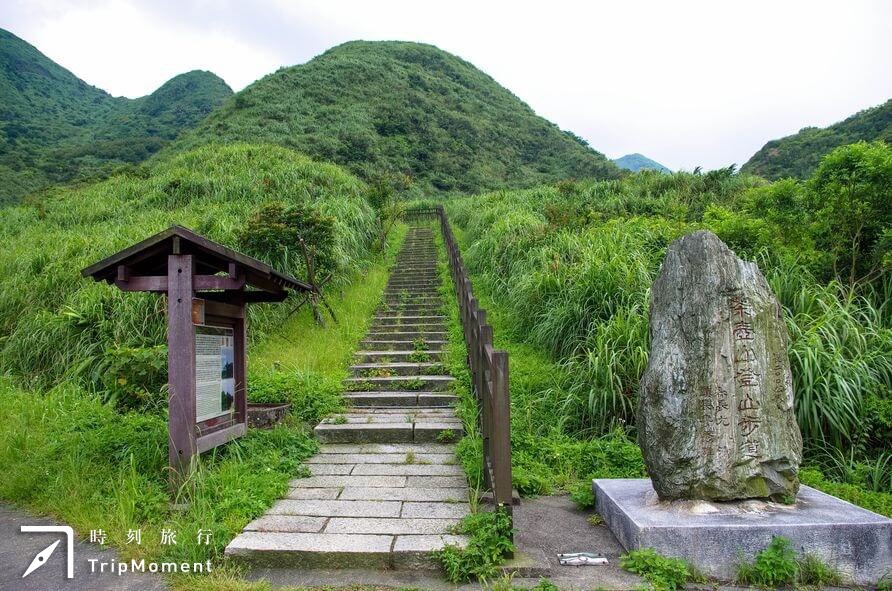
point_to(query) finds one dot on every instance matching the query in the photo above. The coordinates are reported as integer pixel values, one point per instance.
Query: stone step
(415, 272)
(407, 327)
(400, 398)
(413, 286)
(430, 273)
(394, 319)
(420, 432)
(395, 306)
(406, 335)
(410, 310)
(414, 280)
(416, 299)
(428, 383)
(392, 417)
(398, 344)
(427, 269)
(338, 550)
(423, 278)
(401, 368)
(387, 356)
(408, 318)
(415, 307)
(410, 294)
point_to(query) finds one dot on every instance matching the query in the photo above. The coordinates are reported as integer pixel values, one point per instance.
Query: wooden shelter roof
(149, 257)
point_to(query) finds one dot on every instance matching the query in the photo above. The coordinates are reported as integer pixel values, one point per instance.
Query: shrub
(312, 395)
(274, 233)
(135, 378)
(664, 574)
(773, 566)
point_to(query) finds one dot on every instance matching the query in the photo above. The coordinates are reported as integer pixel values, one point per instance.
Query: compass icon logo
(41, 558)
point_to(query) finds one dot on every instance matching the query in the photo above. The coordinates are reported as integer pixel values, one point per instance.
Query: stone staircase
(385, 489)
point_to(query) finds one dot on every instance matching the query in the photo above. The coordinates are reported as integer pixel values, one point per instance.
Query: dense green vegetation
(55, 127)
(71, 454)
(58, 326)
(566, 269)
(798, 155)
(639, 162)
(404, 115)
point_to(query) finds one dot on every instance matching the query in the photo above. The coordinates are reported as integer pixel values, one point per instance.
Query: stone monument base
(715, 536)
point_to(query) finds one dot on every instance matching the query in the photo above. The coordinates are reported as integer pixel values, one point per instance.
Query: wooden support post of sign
(181, 366)
(207, 286)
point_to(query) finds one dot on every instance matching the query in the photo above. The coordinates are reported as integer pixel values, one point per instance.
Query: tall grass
(57, 325)
(572, 266)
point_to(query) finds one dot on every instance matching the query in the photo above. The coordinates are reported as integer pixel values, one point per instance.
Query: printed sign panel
(214, 372)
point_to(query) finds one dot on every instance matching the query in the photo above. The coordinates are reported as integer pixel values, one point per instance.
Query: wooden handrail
(489, 370)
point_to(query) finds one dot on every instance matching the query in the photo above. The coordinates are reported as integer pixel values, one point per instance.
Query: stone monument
(718, 432)
(715, 408)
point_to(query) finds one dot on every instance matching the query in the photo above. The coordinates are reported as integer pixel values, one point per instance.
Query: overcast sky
(686, 83)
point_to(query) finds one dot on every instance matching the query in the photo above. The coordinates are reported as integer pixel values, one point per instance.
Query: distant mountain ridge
(407, 114)
(636, 162)
(55, 127)
(799, 154)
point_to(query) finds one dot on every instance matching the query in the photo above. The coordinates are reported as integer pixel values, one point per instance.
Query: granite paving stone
(435, 510)
(313, 493)
(408, 493)
(288, 523)
(337, 508)
(408, 470)
(363, 525)
(340, 481)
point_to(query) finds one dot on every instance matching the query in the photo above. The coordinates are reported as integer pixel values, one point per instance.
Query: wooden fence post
(503, 491)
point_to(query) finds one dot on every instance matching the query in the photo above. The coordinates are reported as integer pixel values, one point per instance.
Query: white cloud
(686, 83)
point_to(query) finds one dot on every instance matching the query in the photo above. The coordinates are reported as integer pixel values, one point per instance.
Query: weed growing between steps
(68, 454)
(489, 541)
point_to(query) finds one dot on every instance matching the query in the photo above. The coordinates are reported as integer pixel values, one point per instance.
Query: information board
(214, 372)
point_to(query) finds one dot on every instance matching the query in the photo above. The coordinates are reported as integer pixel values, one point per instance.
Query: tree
(852, 192)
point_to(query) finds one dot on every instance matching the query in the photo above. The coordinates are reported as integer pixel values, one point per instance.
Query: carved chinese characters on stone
(715, 414)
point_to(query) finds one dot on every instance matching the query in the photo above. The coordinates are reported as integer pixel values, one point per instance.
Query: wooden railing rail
(489, 370)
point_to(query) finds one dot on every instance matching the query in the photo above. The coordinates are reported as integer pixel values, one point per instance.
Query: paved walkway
(18, 549)
(544, 527)
(385, 489)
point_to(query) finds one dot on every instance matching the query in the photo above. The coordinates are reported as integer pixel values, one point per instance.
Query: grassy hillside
(58, 326)
(565, 272)
(407, 114)
(637, 162)
(798, 155)
(55, 127)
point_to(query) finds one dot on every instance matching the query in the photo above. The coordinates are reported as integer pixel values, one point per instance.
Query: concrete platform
(716, 536)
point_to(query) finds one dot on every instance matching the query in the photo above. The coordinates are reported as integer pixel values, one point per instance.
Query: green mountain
(55, 127)
(799, 154)
(636, 162)
(419, 118)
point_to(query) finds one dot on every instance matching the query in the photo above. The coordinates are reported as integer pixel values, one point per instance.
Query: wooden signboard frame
(205, 284)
